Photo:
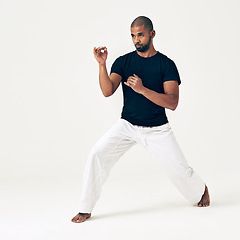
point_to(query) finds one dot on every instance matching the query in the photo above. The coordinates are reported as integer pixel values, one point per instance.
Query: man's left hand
(135, 83)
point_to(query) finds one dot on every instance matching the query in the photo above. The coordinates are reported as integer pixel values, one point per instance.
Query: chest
(150, 73)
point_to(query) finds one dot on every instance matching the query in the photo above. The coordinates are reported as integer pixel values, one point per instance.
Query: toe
(76, 218)
(81, 217)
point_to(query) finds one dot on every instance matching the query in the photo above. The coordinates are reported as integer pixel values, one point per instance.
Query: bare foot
(81, 217)
(205, 200)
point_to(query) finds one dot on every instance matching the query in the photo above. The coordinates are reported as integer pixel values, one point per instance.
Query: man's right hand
(100, 54)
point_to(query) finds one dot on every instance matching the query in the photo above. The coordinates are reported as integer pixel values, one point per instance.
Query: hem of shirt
(179, 81)
(142, 124)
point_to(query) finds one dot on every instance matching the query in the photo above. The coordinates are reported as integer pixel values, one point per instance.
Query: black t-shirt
(153, 71)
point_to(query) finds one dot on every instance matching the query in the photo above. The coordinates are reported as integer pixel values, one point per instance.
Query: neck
(149, 53)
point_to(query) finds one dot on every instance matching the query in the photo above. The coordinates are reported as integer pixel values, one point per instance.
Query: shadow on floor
(153, 208)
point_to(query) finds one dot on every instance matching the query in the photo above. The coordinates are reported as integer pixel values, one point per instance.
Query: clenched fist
(135, 83)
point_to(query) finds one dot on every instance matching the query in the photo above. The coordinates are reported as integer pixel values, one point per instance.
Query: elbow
(174, 107)
(174, 104)
(107, 94)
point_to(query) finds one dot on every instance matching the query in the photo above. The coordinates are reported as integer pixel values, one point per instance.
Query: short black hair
(142, 20)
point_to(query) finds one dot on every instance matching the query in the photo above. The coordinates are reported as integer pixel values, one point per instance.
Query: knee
(95, 161)
(185, 173)
(95, 152)
(99, 152)
(189, 172)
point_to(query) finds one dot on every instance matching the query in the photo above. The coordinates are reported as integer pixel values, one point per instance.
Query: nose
(137, 40)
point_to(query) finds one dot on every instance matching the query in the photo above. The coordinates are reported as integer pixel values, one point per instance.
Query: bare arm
(108, 84)
(169, 99)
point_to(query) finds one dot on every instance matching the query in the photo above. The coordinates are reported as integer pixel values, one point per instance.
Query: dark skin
(109, 84)
(140, 37)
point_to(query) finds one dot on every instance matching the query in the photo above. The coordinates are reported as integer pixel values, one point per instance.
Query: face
(141, 38)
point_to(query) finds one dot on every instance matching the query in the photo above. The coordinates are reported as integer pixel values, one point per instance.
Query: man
(150, 83)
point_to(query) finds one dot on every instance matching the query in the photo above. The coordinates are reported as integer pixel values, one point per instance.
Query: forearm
(104, 81)
(164, 100)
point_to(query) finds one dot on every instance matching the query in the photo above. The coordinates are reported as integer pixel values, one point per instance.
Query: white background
(52, 112)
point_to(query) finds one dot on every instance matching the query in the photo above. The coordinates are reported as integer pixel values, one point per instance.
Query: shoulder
(169, 69)
(167, 63)
(124, 59)
(165, 59)
(126, 56)
(119, 64)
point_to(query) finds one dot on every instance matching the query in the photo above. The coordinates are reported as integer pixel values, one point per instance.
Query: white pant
(161, 144)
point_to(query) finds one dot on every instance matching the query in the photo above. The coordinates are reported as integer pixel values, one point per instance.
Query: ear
(152, 33)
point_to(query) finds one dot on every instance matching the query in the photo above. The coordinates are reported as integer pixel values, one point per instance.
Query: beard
(143, 48)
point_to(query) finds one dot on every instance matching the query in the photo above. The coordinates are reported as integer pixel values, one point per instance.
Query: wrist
(102, 64)
(143, 91)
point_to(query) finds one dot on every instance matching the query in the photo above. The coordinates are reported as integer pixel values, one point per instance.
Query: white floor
(42, 207)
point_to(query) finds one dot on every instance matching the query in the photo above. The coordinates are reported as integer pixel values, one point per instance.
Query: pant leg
(106, 152)
(163, 146)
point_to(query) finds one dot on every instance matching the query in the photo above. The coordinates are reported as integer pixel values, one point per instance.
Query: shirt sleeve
(171, 72)
(117, 67)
